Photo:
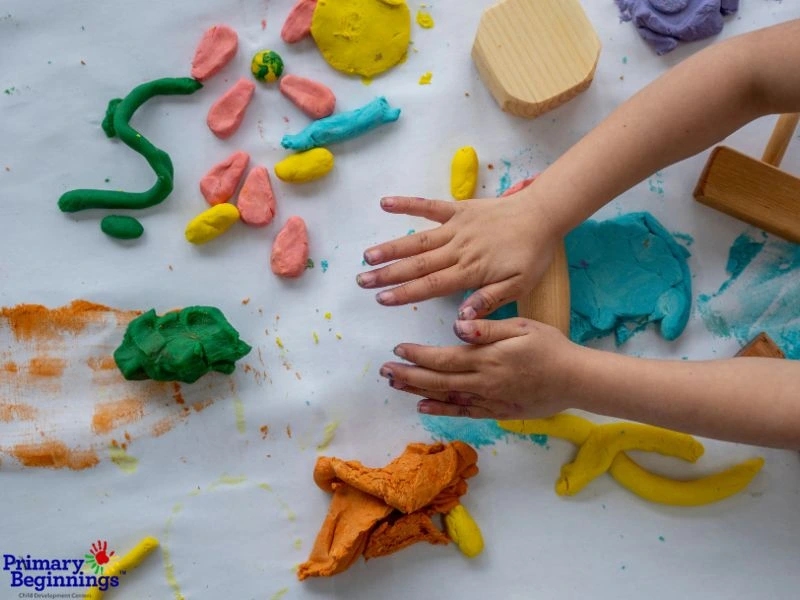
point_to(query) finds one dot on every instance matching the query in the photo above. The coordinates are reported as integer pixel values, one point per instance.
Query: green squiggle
(115, 123)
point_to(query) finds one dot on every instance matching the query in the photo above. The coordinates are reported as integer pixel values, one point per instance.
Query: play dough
(363, 37)
(122, 565)
(220, 183)
(256, 201)
(464, 531)
(313, 98)
(464, 173)
(424, 19)
(625, 273)
(665, 23)
(215, 50)
(298, 24)
(121, 227)
(290, 249)
(643, 483)
(211, 223)
(305, 166)
(179, 346)
(343, 126)
(226, 114)
(393, 503)
(266, 65)
(116, 123)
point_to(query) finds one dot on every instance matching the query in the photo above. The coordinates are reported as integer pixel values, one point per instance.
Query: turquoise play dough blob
(342, 126)
(625, 273)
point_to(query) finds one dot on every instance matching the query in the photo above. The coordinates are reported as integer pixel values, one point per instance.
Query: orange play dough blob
(290, 249)
(226, 114)
(256, 201)
(215, 50)
(313, 98)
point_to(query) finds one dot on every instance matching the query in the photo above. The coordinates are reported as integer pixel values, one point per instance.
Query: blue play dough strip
(624, 274)
(342, 126)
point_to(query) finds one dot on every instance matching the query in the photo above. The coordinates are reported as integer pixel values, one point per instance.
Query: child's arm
(517, 369)
(694, 105)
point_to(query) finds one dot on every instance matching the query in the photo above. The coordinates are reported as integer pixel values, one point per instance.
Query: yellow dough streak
(464, 531)
(364, 37)
(128, 562)
(568, 427)
(693, 492)
(606, 441)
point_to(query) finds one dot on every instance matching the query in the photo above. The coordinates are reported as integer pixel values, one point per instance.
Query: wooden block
(763, 346)
(534, 55)
(752, 191)
(549, 301)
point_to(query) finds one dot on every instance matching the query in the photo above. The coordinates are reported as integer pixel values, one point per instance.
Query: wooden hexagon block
(534, 55)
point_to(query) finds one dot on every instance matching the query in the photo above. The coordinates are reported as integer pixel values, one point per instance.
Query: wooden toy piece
(763, 346)
(549, 301)
(534, 55)
(755, 191)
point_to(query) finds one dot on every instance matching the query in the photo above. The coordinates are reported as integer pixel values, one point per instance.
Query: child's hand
(500, 247)
(513, 369)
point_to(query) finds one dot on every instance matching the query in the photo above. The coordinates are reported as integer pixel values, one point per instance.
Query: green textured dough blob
(179, 346)
(121, 227)
(267, 65)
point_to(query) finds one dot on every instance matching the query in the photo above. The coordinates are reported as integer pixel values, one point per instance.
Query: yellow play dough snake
(601, 448)
(464, 531)
(127, 563)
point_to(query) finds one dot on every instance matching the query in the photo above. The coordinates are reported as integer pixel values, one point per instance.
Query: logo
(98, 557)
(43, 573)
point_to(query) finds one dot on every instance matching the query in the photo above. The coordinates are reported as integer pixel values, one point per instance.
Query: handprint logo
(98, 557)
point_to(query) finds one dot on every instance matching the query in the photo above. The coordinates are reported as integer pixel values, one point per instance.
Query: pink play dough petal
(256, 201)
(313, 98)
(226, 114)
(290, 249)
(220, 183)
(520, 185)
(298, 24)
(215, 50)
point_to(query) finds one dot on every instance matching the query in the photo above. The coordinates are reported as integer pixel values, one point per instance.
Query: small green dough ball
(121, 227)
(266, 66)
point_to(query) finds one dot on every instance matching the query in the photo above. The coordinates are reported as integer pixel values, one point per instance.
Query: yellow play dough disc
(363, 37)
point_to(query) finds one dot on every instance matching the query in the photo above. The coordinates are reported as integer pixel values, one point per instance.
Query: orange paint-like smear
(101, 363)
(16, 412)
(34, 321)
(53, 454)
(10, 367)
(163, 426)
(176, 393)
(46, 366)
(264, 429)
(110, 415)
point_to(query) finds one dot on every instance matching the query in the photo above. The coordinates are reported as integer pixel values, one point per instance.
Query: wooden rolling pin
(549, 301)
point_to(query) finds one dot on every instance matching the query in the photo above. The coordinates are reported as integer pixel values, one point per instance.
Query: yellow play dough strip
(128, 562)
(643, 483)
(464, 531)
(606, 441)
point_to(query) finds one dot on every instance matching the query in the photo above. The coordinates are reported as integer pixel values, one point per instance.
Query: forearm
(694, 105)
(749, 400)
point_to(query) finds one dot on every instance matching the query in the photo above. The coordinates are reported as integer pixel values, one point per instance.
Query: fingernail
(365, 279)
(388, 202)
(423, 408)
(372, 256)
(396, 384)
(467, 313)
(385, 298)
(386, 372)
(463, 328)
(399, 351)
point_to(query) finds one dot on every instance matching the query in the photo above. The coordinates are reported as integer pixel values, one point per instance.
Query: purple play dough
(664, 23)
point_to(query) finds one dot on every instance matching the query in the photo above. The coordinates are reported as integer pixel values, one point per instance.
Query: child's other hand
(499, 247)
(512, 369)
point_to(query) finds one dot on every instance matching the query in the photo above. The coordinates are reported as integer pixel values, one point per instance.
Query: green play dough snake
(115, 123)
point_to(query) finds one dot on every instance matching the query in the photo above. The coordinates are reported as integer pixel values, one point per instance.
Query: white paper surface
(237, 540)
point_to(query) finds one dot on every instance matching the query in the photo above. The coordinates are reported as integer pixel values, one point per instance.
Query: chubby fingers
(407, 269)
(434, 210)
(403, 376)
(452, 359)
(429, 406)
(488, 332)
(433, 285)
(409, 245)
(489, 298)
